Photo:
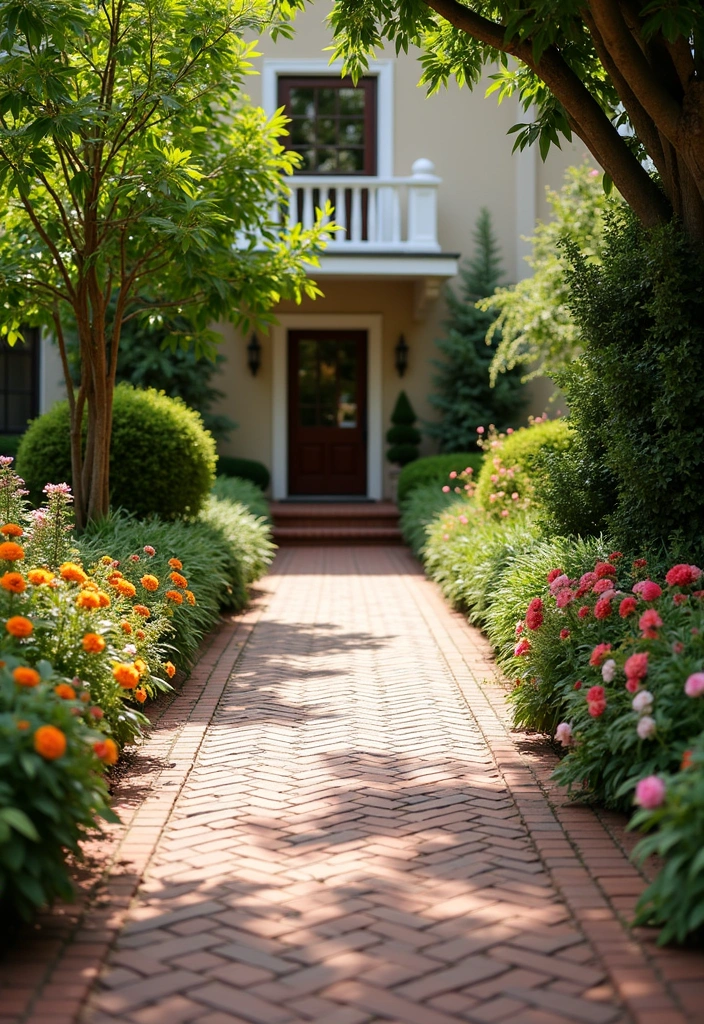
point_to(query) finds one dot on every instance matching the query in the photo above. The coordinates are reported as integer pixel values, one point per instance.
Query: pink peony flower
(464, 520)
(642, 702)
(596, 693)
(636, 666)
(649, 623)
(627, 607)
(563, 734)
(646, 727)
(597, 708)
(480, 430)
(694, 687)
(554, 573)
(578, 685)
(453, 474)
(564, 633)
(601, 586)
(446, 489)
(640, 563)
(564, 597)
(504, 513)
(602, 609)
(615, 555)
(603, 569)
(678, 599)
(677, 647)
(632, 685)
(559, 582)
(588, 580)
(650, 792)
(134, 558)
(521, 648)
(149, 550)
(534, 614)
(648, 590)
(598, 655)
(608, 670)
(519, 628)
(584, 611)
(682, 575)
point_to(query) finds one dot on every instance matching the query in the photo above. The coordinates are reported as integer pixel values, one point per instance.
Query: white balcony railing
(374, 214)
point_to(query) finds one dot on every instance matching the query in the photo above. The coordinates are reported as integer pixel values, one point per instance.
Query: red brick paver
(339, 827)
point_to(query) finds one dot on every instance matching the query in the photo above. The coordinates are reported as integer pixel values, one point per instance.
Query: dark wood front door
(327, 435)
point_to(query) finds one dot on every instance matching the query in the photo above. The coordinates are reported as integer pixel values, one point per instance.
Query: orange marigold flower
(140, 665)
(25, 676)
(93, 643)
(149, 582)
(88, 599)
(19, 626)
(106, 750)
(104, 599)
(11, 552)
(125, 627)
(22, 724)
(141, 609)
(190, 597)
(170, 669)
(38, 576)
(13, 582)
(125, 588)
(72, 573)
(11, 530)
(140, 694)
(127, 676)
(89, 585)
(173, 595)
(175, 563)
(85, 696)
(178, 580)
(114, 577)
(49, 742)
(65, 691)
(141, 634)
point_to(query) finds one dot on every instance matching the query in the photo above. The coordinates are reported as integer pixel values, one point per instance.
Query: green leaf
(19, 821)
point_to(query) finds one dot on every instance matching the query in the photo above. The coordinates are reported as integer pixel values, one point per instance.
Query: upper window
(19, 383)
(333, 123)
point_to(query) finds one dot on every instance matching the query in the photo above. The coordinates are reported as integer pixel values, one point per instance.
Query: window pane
(302, 131)
(327, 131)
(327, 161)
(302, 102)
(327, 354)
(327, 101)
(19, 410)
(351, 101)
(350, 161)
(347, 385)
(351, 133)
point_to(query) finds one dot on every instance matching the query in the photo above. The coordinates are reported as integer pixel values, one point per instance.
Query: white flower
(563, 734)
(643, 701)
(130, 649)
(608, 670)
(646, 727)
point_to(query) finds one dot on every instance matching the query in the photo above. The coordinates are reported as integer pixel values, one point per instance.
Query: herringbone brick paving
(360, 839)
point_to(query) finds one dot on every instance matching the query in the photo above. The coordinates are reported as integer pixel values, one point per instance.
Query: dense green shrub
(636, 396)
(464, 396)
(435, 469)
(514, 465)
(418, 511)
(9, 443)
(402, 436)
(247, 493)
(162, 460)
(245, 469)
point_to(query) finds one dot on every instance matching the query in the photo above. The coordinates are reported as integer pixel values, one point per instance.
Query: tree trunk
(90, 465)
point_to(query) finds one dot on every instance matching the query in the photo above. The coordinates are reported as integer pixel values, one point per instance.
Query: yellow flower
(38, 576)
(88, 599)
(190, 597)
(72, 573)
(170, 669)
(127, 676)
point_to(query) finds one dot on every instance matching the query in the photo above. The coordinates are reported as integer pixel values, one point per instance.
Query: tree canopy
(625, 76)
(136, 181)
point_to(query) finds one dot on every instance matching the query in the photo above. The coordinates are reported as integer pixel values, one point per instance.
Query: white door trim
(372, 324)
(382, 70)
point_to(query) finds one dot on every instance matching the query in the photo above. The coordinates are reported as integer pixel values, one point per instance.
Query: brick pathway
(341, 829)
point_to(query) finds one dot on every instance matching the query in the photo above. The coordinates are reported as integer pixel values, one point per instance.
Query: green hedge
(162, 459)
(235, 489)
(435, 469)
(245, 469)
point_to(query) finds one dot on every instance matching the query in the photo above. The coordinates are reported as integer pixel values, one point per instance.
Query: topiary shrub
(403, 436)
(435, 469)
(162, 459)
(244, 469)
(515, 462)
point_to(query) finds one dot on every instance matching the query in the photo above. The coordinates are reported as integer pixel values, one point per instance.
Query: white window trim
(372, 324)
(383, 70)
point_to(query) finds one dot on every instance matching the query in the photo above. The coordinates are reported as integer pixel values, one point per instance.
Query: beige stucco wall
(464, 133)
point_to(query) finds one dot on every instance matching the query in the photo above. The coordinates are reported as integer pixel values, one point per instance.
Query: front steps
(335, 523)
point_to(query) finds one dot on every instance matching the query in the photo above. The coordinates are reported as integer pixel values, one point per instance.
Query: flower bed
(85, 639)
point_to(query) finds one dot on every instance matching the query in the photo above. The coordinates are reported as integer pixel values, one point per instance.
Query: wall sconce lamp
(401, 356)
(254, 355)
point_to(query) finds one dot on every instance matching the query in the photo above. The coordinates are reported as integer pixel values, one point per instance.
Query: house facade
(407, 175)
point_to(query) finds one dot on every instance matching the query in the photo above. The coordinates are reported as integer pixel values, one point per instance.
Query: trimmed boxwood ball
(435, 469)
(244, 469)
(162, 459)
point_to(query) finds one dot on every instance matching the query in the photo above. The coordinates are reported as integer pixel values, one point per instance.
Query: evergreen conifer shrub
(463, 396)
(403, 436)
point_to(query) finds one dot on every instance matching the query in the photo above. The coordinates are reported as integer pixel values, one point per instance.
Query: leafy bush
(435, 469)
(464, 396)
(402, 436)
(635, 400)
(48, 803)
(672, 812)
(245, 469)
(514, 464)
(236, 489)
(9, 443)
(162, 460)
(419, 510)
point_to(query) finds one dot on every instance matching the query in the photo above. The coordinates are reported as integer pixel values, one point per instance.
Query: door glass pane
(327, 383)
(327, 355)
(347, 385)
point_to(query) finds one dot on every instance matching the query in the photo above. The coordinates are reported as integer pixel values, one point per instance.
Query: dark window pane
(327, 101)
(350, 161)
(327, 161)
(351, 133)
(19, 410)
(18, 383)
(308, 416)
(326, 131)
(302, 131)
(351, 101)
(302, 102)
(332, 123)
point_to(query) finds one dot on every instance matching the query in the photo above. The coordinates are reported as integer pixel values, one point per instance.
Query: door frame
(372, 324)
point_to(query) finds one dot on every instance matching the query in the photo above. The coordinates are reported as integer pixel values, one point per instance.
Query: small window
(333, 123)
(19, 383)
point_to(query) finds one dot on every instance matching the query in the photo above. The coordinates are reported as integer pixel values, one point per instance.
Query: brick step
(336, 535)
(357, 517)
